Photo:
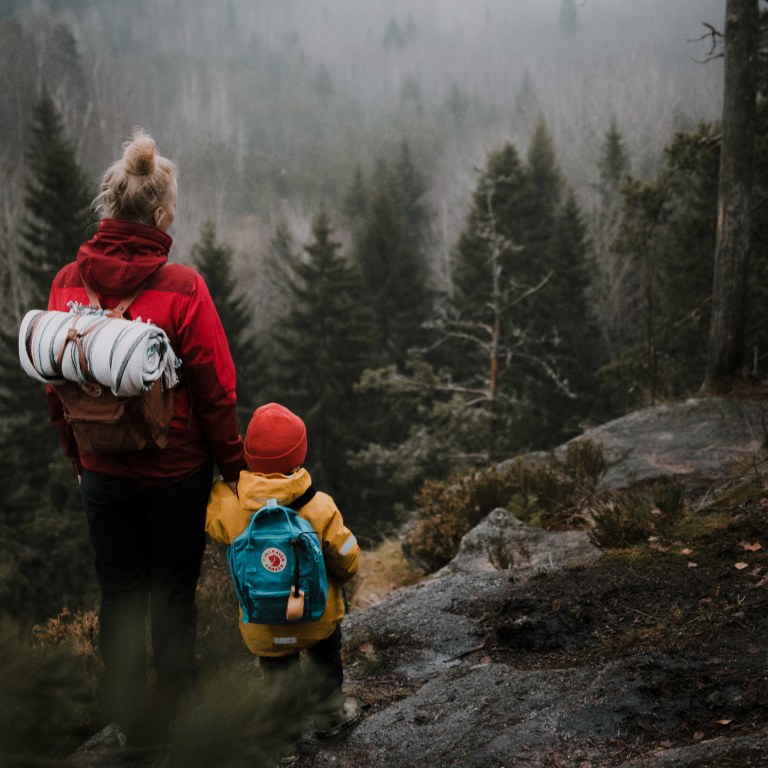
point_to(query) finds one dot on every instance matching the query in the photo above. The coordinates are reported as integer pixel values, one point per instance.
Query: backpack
(277, 566)
(105, 423)
(102, 421)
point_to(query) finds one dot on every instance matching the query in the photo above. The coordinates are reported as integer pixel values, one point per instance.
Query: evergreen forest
(445, 233)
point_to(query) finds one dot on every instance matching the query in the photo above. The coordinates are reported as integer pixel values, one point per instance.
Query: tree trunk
(726, 339)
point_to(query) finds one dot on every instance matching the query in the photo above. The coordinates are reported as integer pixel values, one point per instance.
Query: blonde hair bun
(137, 184)
(140, 154)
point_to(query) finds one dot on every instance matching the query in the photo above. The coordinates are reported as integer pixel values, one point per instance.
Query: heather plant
(45, 698)
(633, 516)
(622, 519)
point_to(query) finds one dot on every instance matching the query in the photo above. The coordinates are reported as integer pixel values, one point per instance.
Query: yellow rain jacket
(228, 516)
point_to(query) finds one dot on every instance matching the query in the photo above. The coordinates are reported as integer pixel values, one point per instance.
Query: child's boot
(334, 722)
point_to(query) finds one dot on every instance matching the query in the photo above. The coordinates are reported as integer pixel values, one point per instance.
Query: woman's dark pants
(148, 543)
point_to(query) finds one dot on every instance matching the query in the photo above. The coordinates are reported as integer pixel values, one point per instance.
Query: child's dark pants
(324, 657)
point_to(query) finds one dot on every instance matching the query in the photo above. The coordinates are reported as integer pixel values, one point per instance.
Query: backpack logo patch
(274, 560)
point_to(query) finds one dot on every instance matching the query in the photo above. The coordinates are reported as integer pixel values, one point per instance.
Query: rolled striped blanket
(85, 345)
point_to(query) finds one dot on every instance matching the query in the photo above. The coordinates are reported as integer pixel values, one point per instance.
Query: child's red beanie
(276, 440)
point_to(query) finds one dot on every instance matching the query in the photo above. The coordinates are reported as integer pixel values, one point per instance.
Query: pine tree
(41, 527)
(611, 278)
(320, 345)
(569, 337)
(666, 241)
(390, 249)
(54, 224)
(728, 319)
(519, 303)
(57, 201)
(614, 163)
(214, 261)
(546, 183)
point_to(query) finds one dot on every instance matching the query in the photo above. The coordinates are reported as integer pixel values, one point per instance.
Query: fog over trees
(269, 107)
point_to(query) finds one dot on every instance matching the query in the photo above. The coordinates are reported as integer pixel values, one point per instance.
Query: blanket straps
(76, 337)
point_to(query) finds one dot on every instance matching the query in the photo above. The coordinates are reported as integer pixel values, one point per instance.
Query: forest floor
(694, 632)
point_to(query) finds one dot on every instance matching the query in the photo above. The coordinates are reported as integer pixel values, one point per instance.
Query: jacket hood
(121, 256)
(254, 490)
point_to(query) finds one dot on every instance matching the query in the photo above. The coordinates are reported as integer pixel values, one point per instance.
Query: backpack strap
(302, 500)
(122, 305)
(296, 505)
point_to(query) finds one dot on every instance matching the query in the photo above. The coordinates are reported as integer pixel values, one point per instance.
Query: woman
(146, 509)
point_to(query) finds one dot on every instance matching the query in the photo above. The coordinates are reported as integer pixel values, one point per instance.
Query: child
(275, 447)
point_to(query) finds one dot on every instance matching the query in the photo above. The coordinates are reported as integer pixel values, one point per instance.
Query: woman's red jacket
(120, 257)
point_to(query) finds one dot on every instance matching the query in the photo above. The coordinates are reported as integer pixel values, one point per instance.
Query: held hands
(231, 484)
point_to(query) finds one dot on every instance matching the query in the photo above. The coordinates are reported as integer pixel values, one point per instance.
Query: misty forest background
(443, 232)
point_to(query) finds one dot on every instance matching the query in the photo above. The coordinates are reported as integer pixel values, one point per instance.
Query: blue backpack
(277, 566)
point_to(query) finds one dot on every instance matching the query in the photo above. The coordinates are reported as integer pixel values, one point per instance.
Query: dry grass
(382, 570)
(79, 630)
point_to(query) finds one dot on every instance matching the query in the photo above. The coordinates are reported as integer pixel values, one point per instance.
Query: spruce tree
(569, 340)
(57, 200)
(526, 106)
(496, 213)
(519, 319)
(390, 248)
(41, 527)
(355, 201)
(666, 241)
(214, 261)
(320, 345)
(546, 185)
(54, 223)
(611, 279)
(491, 279)
(614, 163)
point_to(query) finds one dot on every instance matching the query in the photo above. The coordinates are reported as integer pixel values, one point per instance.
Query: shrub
(544, 491)
(45, 698)
(446, 510)
(79, 630)
(585, 462)
(630, 517)
(621, 520)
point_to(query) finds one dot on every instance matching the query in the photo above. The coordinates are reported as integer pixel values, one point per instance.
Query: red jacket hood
(121, 256)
